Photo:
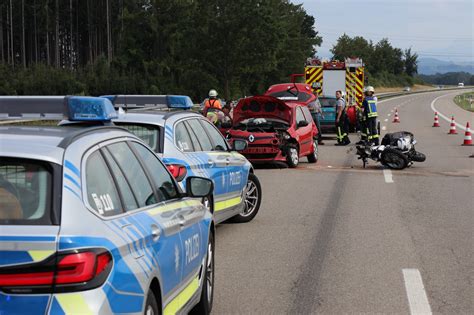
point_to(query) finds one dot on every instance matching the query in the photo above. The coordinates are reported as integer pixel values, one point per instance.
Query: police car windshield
(25, 192)
(150, 134)
(290, 95)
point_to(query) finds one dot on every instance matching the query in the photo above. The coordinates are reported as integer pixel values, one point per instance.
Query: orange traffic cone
(467, 136)
(452, 128)
(436, 120)
(396, 119)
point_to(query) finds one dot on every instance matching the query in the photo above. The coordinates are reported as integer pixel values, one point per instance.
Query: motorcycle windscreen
(261, 107)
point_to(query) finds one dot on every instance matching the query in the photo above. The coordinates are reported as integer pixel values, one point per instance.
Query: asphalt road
(334, 238)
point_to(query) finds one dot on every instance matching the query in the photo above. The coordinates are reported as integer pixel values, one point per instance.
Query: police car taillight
(178, 171)
(66, 272)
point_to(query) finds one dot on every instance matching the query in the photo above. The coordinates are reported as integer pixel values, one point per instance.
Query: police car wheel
(253, 199)
(292, 157)
(207, 294)
(313, 157)
(151, 307)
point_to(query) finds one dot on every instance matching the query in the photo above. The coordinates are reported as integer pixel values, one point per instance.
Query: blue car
(91, 220)
(328, 107)
(190, 145)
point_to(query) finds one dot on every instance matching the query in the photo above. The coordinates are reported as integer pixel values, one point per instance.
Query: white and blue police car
(92, 222)
(191, 145)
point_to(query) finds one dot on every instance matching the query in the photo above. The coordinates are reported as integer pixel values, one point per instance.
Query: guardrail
(394, 94)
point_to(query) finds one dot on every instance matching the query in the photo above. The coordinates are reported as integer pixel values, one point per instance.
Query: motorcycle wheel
(418, 156)
(393, 159)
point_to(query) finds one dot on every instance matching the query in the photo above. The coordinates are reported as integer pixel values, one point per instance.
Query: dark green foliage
(450, 78)
(152, 46)
(389, 66)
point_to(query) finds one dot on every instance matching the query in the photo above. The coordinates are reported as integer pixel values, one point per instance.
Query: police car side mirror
(239, 145)
(302, 123)
(199, 186)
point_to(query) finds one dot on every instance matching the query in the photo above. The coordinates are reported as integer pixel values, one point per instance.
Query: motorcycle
(397, 151)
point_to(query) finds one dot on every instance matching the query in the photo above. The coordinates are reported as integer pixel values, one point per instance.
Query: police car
(190, 145)
(92, 222)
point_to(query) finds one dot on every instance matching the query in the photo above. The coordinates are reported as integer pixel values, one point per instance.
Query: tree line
(385, 65)
(449, 78)
(96, 47)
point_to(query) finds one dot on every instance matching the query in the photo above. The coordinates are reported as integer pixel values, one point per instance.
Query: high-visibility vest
(372, 107)
(213, 103)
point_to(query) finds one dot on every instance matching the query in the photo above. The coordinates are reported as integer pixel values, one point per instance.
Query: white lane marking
(433, 108)
(387, 174)
(384, 128)
(416, 293)
(389, 115)
(386, 119)
(391, 111)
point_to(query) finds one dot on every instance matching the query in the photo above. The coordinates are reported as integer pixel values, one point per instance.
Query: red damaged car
(276, 131)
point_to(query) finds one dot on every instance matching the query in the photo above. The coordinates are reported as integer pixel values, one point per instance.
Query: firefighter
(341, 120)
(369, 106)
(212, 102)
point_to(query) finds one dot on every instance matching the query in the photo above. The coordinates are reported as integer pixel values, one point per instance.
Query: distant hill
(432, 66)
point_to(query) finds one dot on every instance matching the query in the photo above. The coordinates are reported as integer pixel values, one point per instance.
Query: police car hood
(261, 107)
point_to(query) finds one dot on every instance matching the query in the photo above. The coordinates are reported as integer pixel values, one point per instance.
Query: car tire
(207, 294)
(292, 156)
(313, 157)
(253, 199)
(151, 306)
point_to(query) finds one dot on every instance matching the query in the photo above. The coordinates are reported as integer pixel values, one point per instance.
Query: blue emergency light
(84, 108)
(150, 101)
(179, 101)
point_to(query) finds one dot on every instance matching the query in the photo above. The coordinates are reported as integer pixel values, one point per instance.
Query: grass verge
(465, 101)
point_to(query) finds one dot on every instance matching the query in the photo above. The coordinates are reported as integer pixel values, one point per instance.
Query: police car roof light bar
(150, 101)
(74, 108)
(86, 108)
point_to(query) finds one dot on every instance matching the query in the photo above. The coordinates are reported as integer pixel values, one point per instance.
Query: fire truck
(326, 77)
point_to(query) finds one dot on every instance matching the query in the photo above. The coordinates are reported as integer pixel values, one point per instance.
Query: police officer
(341, 120)
(369, 106)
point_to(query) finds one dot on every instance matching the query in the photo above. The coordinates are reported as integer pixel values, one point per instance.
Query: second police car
(92, 222)
(190, 145)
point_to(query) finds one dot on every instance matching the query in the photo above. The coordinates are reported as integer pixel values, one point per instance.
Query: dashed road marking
(387, 174)
(417, 299)
(384, 128)
(389, 115)
(386, 119)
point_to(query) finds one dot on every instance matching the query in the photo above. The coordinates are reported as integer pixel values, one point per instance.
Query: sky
(441, 29)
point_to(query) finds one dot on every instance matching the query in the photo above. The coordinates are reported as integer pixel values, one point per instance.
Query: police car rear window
(25, 192)
(148, 133)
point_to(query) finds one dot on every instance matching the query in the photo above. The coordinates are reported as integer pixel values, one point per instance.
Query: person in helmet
(211, 102)
(369, 107)
(341, 120)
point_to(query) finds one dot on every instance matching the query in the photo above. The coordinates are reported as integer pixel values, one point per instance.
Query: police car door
(151, 228)
(29, 212)
(234, 165)
(187, 213)
(214, 162)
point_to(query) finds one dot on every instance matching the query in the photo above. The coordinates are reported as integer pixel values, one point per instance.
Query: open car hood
(261, 107)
